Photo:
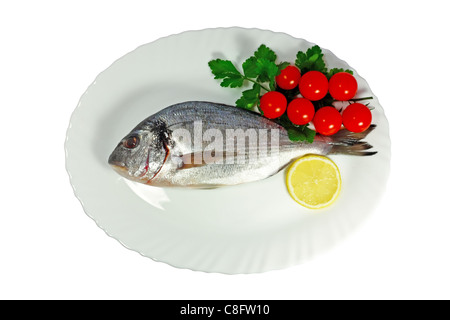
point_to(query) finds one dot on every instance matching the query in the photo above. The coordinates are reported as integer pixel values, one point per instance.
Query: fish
(203, 144)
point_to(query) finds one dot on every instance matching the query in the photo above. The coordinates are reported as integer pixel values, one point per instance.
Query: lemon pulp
(314, 181)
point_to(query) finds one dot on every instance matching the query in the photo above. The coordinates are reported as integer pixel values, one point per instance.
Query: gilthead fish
(205, 144)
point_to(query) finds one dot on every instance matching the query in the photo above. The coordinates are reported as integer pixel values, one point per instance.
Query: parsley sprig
(260, 69)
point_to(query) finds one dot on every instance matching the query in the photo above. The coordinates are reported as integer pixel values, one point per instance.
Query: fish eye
(131, 142)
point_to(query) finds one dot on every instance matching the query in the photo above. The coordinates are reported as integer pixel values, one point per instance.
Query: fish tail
(347, 142)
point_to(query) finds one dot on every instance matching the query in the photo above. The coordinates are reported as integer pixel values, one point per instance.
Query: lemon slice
(314, 181)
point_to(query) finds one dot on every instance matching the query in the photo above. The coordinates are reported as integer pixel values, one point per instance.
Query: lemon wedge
(314, 181)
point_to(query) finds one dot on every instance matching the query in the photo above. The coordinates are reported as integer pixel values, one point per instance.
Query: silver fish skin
(181, 146)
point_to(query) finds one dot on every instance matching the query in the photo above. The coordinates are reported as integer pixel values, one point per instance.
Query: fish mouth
(119, 167)
(123, 171)
(143, 175)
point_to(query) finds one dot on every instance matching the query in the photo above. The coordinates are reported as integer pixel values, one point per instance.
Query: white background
(50, 51)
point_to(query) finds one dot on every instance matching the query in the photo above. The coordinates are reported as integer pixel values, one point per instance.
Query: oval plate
(249, 228)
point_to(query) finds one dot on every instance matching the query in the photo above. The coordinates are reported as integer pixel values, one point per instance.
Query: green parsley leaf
(312, 60)
(333, 71)
(249, 97)
(309, 133)
(282, 65)
(296, 135)
(262, 66)
(302, 61)
(251, 67)
(268, 72)
(265, 52)
(224, 69)
(315, 55)
(301, 133)
(232, 81)
(284, 121)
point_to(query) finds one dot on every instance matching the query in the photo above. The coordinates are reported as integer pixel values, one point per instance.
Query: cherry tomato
(273, 104)
(300, 111)
(357, 117)
(313, 85)
(327, 121)
(343, 86)
(288, 78)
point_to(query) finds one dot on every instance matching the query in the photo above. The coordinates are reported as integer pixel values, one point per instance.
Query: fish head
(139, 156)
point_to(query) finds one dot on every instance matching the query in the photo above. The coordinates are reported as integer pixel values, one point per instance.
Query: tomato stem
(359, 99)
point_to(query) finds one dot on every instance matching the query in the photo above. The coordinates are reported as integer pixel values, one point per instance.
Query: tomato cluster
(314, 86)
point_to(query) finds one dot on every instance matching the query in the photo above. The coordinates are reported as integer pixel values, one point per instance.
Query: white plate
(248, 228)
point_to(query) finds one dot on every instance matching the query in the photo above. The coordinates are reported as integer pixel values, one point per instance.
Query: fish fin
(346, 142)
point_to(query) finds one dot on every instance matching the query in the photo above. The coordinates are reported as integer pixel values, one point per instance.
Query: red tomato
(300, 111)
(313, 85)
(288, 78)
(343, 86)
(273, 104)
(327, 121)
(357, 117)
